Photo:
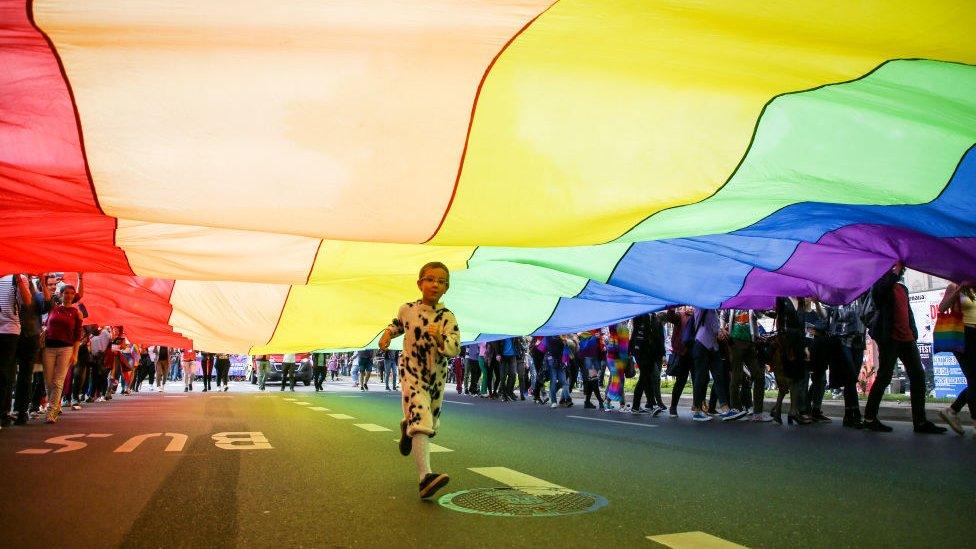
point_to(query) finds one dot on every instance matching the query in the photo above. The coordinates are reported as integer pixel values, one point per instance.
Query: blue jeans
(557, 378)
(390, 373)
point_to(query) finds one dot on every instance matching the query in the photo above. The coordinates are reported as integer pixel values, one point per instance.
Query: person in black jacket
(893, 329)
(647, 348)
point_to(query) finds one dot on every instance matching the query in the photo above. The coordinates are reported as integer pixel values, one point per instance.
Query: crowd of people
(50, 360)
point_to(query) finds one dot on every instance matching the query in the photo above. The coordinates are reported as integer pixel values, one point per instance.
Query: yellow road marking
(694, 540)
(515, 479)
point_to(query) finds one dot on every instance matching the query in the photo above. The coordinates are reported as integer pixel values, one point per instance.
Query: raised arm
(80, 293)
(25, 294)
(950, 297)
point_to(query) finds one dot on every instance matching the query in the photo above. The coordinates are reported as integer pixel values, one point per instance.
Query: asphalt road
(329, 475)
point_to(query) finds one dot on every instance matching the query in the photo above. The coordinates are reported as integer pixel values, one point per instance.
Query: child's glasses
(431, 280)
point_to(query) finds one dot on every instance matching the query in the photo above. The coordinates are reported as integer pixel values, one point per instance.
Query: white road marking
(175, 396)
(65, 441)
(634, 423)
(319, 409)
(458, 402)
(289, 399)
(241, 440)
(434, 448)
(303, 403)
(694, 540)
(341, 416)
(350, 396)
(525, 483)
(176, 443)
(371, 427)
(437, 449)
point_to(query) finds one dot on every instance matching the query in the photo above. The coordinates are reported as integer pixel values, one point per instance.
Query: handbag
(630, 370)
(672, 369)
(949, 335)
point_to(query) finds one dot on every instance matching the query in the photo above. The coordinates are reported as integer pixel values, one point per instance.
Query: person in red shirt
(893, 329)
(61, 343)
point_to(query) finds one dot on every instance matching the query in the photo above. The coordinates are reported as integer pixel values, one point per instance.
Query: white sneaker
(762, 418)
(554, 405)
(949, 416)
(76, 406)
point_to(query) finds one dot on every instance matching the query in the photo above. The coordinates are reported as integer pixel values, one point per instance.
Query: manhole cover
(512, 501)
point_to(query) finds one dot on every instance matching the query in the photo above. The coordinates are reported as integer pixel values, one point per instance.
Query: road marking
(371, 427)
(341, 416)
(434, 448)
(614, 421)
(66, 443)
(241, 440)
(303, 403)
(175, 396)
(458, 402)
(289, 399)
(525, 483)
(176, 443)
(350, 396)
(319, 409)
(694, 540)
(221, 396)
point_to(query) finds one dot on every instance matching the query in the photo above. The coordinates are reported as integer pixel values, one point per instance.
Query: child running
(431, 337)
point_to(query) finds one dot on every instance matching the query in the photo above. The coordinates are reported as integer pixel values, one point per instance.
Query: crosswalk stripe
(303, 403)
(371, 427)
(525, 483)
(289, 399)
(341, 416)
(319, 409)
(694, 540)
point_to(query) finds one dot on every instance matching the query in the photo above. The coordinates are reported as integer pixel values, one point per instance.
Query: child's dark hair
(434, 265)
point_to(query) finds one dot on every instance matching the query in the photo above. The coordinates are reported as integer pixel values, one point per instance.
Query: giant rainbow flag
(269, 176)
